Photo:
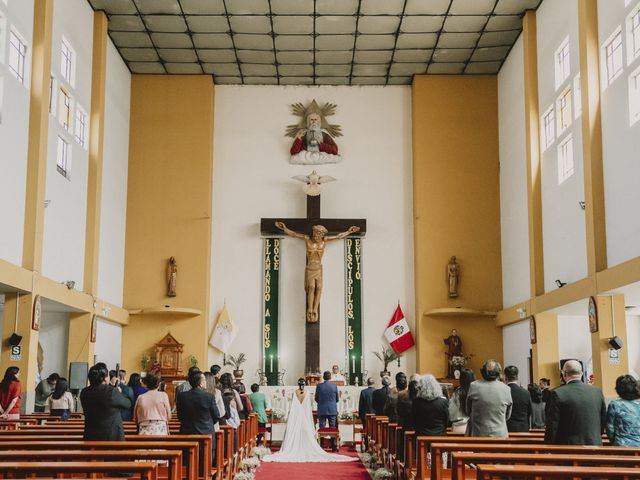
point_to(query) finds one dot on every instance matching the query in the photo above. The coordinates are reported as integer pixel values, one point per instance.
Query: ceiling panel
(323, 42)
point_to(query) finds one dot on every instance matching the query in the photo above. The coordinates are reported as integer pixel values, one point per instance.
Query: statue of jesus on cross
(313, 271)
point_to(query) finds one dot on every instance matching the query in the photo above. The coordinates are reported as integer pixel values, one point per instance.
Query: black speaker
(616, 343)
(15, 339)
(78, 375)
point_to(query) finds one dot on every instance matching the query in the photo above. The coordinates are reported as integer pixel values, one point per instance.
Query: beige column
(611, 321)
(532, 141)
(545, 354)
(592, 137)
(96, 141)
(81, 348)
(38, 134)
(28, 359)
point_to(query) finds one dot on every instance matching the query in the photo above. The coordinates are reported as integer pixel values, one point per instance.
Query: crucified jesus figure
(313, 271)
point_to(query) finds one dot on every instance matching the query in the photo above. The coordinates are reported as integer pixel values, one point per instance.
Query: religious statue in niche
(453, 277)
(313, 135)
(172, 277)
(455, 358)
(313, 271)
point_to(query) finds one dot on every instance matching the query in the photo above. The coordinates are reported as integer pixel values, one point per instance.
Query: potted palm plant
(236, 362)
(386, 356)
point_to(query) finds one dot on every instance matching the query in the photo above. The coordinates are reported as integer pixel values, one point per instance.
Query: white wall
(516, 345)
(620, 146)
(563, 223)
(574, 338)
(513, 179)
(633, 343)
(65, 217)
(54, 339)
(14, 129)
(114, 178)
(108, 343)
(252, 180)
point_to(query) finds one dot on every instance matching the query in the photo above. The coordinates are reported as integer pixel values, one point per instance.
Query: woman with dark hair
(405, 416)
(228, 392)
(10, 391)
(538, 419)
(61, 400)
(623, 415)
(101, 404)
(458, 403)
(135, 382)
(152, 411)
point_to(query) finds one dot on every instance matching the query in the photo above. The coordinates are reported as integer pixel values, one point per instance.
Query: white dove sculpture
(312, 182)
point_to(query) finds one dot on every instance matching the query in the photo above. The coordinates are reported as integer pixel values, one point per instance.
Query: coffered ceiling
(314, 42)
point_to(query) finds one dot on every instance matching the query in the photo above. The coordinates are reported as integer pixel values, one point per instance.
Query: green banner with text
(353, 291)
(270, 310)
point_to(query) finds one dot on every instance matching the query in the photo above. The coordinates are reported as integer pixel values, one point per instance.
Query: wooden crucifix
(301, 227)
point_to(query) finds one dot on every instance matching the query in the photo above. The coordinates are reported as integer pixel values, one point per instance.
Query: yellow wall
(457, 212)
(169, 211)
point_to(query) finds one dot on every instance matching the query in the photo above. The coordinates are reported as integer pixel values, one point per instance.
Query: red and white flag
(397, 333)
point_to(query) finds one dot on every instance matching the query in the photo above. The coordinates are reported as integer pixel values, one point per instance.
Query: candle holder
(281, 377)
(262, 377)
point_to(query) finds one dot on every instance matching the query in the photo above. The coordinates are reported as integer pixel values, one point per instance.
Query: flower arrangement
(144, 361)
(250, 464)
(348, 416)
(382, 473)
(278, 414)
(261, 452)
(458, 362)
(386, 356)
(244, 476)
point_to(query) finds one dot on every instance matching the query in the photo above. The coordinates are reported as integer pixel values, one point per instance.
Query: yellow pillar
(38, 134)
(592, 137)
(545, 354)
(28, 361)
(81, 348)
(611, 321)
(532, 141)
(96, 141)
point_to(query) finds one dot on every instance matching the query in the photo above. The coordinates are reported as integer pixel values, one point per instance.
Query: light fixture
(616, 342)
(522, 312)
(583, 205)
(560, 283)
(69, 284)
(47, 203)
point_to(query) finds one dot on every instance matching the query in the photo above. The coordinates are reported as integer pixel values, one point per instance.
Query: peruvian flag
(397, 333)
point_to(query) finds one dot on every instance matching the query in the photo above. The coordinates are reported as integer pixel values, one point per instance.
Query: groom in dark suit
(327, 399)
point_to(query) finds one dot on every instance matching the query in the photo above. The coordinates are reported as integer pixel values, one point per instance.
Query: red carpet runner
(316, 471)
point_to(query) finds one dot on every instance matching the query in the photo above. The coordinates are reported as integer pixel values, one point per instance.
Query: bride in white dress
(299, 444)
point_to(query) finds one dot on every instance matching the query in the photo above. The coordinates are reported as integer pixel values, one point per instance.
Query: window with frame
(562, 63)
(634, 96)
(80, 135)
(67, 62)
(64, 110)
(62, 157)
(563, 107)
(548, 128)
(577, 97)
(17, 56)
(612, 55)
(633, 34)
(565, 159)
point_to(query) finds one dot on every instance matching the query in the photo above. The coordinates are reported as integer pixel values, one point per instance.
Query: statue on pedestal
(453, 277)
(172, 277)
(454, 343)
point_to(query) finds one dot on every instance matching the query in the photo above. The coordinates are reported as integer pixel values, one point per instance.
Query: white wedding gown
(299, 444)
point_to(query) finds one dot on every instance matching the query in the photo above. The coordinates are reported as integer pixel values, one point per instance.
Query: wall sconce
(583, 205)
(560, 283)
(522, 312)
(69, 284)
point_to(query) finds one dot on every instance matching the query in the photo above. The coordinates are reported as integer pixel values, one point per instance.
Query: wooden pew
(188, 450)
(174, 457)
(424, 445)
(461, 459)
(495, 472)
(146, 470)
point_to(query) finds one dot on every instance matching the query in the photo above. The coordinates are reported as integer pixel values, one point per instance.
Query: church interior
(148, 148)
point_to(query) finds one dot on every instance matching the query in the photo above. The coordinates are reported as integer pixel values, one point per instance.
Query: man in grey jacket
(489, 403)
